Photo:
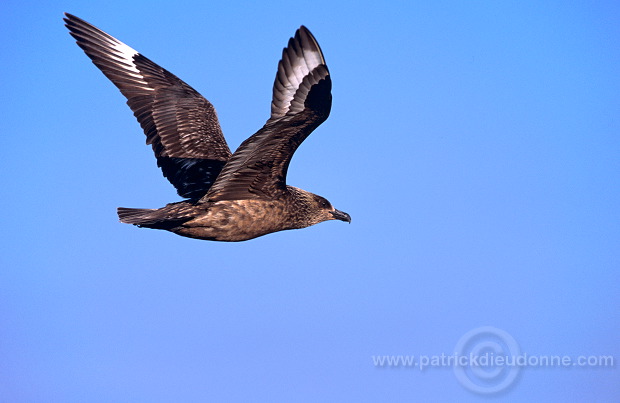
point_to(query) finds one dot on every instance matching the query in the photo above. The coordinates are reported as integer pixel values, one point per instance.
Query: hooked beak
(341, 215)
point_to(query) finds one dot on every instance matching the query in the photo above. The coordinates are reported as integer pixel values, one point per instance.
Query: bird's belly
(236, 220)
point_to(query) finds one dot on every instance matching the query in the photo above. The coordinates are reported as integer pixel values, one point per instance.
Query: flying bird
(228, 196)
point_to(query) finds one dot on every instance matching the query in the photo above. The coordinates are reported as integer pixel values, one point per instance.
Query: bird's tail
(138, 216)
(149, 218)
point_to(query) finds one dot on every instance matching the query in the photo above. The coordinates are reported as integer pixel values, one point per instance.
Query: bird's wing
(179, 123)
(301, 102)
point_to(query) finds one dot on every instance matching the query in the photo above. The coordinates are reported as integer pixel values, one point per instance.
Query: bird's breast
(237, 220)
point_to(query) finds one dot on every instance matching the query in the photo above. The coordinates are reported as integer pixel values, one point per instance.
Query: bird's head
(313, 209)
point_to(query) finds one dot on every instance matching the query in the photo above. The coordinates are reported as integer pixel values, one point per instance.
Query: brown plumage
(230, 197)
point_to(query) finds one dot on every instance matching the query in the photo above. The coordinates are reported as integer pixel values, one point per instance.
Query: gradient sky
(474, 143)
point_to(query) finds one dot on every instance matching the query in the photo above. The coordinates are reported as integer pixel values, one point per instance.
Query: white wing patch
(125, 54)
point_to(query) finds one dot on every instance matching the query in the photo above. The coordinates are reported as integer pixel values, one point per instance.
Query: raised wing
(179, 123)
(301, 102)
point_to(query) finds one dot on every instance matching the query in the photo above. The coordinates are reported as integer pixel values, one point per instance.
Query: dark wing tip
(308, 41)
(71, 19)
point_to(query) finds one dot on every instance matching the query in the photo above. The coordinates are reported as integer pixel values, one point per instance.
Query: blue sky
(475, 145)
